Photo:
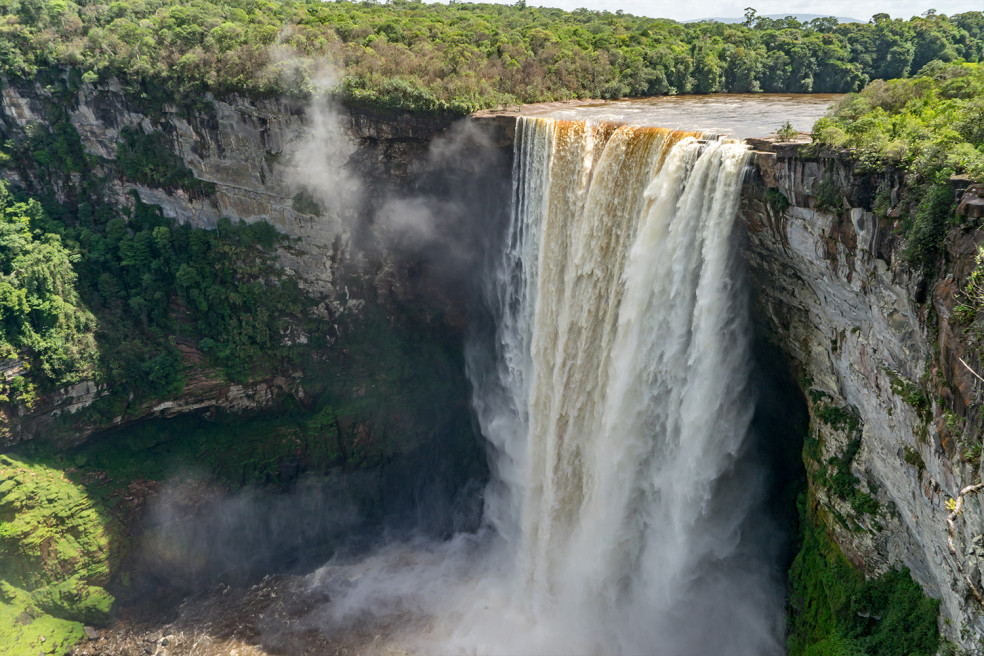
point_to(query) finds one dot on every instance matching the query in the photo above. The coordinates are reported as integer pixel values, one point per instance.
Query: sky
(686, 10)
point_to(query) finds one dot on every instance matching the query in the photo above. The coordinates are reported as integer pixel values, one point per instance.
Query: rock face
(253, 151)
(879, 356)
(361, 195)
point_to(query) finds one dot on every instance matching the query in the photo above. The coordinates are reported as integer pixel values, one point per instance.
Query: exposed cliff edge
(891, 377)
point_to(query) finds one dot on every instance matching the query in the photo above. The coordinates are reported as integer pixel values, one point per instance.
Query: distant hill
(803, 18)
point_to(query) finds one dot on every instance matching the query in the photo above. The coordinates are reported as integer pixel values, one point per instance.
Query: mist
(610, 359)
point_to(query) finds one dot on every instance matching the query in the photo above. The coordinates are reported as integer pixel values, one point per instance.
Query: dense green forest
(460, 57)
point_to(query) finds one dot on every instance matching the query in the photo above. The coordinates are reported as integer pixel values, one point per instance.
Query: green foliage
(971, 453)
(828, 195)
(835, 473)
(975, 283)
(965, 314)
(837, 417)
(458, 57)
(844, 484)
(912, 458)
(154, 283)
(88, 293)
(786, 132)
(147, 159)
(776, 200)
(928, 126)
(57, 547)
(910, 392)
(928, 227)
(45, 332)
(55, 147)
(305, 203)
(834, 609)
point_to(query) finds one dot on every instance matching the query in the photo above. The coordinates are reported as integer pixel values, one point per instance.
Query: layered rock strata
(893, 386)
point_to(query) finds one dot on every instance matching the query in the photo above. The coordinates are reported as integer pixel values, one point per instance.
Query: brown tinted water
(736, 115)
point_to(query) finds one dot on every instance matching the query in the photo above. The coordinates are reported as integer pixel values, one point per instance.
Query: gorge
(613, 308)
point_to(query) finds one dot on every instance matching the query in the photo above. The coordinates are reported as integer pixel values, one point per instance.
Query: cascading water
(623, 355)
(624, 516)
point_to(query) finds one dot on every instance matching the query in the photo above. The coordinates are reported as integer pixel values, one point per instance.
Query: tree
(44, 324)
(751, 17)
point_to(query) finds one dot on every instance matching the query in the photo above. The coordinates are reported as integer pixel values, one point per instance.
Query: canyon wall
(278, 160)
(888, 368)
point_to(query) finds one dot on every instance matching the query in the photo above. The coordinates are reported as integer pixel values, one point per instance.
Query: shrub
(786, 132)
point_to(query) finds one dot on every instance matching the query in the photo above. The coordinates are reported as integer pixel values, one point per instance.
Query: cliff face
(286, 162)
(249, 150)
(878, 354)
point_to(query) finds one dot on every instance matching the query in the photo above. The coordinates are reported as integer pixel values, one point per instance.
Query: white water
(622, 516)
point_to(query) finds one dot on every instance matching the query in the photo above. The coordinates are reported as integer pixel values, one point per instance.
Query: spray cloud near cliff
(196, 532)
(445, 222)
(319, 158)
(435, 217)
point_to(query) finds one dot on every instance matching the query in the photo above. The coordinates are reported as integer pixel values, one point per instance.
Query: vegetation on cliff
(927, 124)
(46, 334)
(87, 292)
(57, 546)
(460, 57)
(930, 126)
(835, 611)
(90, 290)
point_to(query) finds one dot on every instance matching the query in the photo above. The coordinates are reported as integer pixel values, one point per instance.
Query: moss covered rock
(55, 553)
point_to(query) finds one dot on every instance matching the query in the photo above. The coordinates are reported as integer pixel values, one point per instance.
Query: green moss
(834, 609)
(971, 453)
(837, 417)
(305, 203)
(57, 547)
(912, 458)
(910, 392)
(844, 484)
(22, 624)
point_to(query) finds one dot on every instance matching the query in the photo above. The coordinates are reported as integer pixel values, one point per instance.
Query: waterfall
(625, 513)
(618, 402)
